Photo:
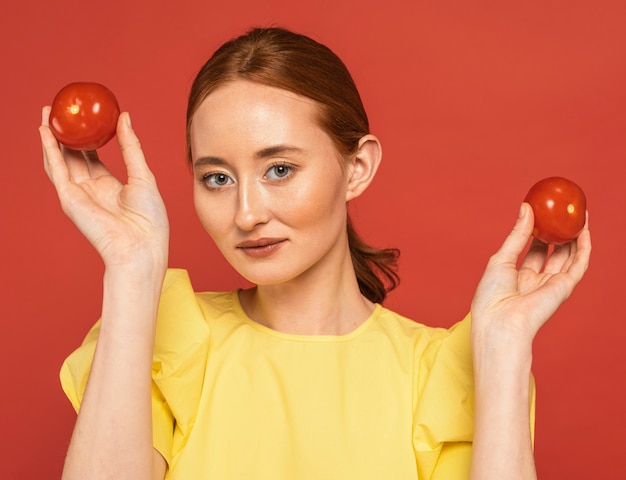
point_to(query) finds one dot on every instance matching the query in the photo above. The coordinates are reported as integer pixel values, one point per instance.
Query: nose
(251, 205)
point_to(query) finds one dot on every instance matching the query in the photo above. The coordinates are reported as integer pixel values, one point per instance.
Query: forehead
(253, 112)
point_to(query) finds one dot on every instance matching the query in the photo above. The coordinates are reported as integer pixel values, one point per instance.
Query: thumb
(517, 240)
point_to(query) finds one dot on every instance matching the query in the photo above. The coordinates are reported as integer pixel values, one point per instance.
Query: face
(269, 186)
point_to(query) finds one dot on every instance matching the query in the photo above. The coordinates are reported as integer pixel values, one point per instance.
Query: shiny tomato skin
(560, 208)
(84, 115)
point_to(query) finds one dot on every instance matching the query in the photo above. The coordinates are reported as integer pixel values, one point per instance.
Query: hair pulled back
(279, 58)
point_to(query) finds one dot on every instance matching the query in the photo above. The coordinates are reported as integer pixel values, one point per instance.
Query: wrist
(131, 295)
(141, 265)
(501, 351)
(140, 277)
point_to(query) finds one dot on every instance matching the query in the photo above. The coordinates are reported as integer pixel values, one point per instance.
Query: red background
(473, 101)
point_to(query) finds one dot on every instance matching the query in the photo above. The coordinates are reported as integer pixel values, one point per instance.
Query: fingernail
(128, 122)
(522, 210)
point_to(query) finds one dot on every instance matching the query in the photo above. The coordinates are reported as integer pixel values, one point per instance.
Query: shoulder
(433, 348)
(180, 302)
(405, 329)
(425, 347)
(186, 318)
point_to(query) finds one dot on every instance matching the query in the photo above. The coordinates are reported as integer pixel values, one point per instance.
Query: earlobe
(363, 166)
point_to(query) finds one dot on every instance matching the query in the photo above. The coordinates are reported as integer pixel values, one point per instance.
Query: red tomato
(84, 115)
(560, 208)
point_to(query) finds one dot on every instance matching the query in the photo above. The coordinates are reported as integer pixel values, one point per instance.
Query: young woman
(306, 375)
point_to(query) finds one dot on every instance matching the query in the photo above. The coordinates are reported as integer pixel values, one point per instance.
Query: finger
(580, 260)
(583, 242)
(91, 155)
(517, 240)
(54, 164)
(76, 164)
(68, 164)
(45, 116)
(131, 150)
(536, 256)
(562, 284)
(571, 249)
(96, 168)
(575, 269)
(561, 257)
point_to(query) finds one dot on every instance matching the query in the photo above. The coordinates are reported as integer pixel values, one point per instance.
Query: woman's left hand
(514, 303)
(511, 304)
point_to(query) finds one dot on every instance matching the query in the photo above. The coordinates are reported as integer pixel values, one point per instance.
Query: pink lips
(261, 247)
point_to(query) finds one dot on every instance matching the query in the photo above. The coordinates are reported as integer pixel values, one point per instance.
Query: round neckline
(302, 337)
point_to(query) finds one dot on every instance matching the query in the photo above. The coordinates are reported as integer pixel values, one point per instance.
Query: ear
(363, 166)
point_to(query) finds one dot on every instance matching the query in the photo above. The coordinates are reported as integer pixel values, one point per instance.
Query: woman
(306, 375)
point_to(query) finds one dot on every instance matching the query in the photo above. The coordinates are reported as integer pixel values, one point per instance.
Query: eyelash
(290, 170)
(207, 177)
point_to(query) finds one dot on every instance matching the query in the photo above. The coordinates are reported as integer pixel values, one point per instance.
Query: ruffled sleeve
(444, 412)
(178, 367)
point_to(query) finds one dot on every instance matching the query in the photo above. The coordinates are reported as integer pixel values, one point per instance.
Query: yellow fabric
(235, 400)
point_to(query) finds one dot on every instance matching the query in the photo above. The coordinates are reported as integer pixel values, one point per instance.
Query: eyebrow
(208, 161)
(260, 155)
(276, 150)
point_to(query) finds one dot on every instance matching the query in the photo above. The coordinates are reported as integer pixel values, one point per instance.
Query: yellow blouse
(233, 399)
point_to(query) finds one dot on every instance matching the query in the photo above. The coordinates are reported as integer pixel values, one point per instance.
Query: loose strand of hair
(375, 268)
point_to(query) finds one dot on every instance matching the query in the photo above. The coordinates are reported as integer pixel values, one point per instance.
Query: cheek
(211, 217)
(316, 202)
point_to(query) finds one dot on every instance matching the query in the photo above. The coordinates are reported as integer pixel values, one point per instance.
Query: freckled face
(269, 187)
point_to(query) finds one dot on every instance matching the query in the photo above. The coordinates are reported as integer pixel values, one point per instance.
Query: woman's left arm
(509, 307)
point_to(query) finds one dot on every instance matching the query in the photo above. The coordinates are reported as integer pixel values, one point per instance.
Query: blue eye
(279, 171)
(215, 180)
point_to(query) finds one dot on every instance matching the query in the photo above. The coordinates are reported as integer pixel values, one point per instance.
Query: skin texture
(264, 169)
(242, 196)
(305, 207)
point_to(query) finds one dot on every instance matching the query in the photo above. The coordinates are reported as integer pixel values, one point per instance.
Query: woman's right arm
(127, 224)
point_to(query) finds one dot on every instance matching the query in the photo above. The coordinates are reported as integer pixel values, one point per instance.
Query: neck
(325, 300)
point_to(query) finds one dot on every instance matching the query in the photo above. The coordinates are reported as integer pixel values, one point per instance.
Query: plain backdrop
(473, 102)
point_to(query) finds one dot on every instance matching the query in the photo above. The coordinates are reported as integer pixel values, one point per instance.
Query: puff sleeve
(178, 366)
(444, 410)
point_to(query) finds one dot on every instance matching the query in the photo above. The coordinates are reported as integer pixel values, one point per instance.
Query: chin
(281, 270)
(267, 276)
(266, 280)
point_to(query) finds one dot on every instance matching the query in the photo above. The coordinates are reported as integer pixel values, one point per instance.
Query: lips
(260, 243)
(261, 247)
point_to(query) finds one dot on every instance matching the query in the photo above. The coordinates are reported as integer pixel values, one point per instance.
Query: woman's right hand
(127, 223)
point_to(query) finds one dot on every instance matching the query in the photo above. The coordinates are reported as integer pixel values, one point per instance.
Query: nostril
(250, 213)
